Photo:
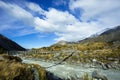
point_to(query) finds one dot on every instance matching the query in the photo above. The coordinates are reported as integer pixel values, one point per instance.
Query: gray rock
(98, 76)
(104, 66)
(36, 73)
(51, 76)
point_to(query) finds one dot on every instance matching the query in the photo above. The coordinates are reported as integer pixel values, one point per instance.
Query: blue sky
(38, 23)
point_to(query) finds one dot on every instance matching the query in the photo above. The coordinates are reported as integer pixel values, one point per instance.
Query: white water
(65, 71)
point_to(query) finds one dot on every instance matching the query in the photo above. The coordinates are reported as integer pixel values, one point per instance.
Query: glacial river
(65, 71)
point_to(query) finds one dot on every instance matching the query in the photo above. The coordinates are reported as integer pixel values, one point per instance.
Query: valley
(93, 58)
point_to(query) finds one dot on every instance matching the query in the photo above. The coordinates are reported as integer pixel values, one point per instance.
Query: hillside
(108, 38)
(9, 45)
(111, 35)
(104, 48)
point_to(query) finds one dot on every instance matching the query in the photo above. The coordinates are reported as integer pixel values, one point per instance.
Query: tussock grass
(41, 71)
(16, 70)
(86, 77)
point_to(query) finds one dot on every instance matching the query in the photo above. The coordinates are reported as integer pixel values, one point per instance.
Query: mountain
(104, 49)
(111, 35)
(9, 45)
(62, 42)
(109, 38)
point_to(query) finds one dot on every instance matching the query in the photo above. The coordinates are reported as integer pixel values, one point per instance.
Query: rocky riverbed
(69, 72)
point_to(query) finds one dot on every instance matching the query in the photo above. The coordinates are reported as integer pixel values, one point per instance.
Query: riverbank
(66, 71)
(95, 64)
(12, 68)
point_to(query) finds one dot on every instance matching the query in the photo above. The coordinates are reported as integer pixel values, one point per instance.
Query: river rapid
(65, 71)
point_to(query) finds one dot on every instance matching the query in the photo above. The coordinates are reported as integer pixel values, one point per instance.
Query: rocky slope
(9, 45)
(111, 35)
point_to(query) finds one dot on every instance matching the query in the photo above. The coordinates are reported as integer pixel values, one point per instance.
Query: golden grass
(86, 77)
(41, 70)
(101, 51)
(12, 70)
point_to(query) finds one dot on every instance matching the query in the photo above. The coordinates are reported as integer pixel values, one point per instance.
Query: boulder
(51, 76)
(98, 76)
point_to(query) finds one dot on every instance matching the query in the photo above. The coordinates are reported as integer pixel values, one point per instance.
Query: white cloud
(59, 17)
(54, 22)
(65, 25)
(78, 31)
(95, 9)
(18, 14)
(36, 8)
(43, 25)
(100, 14)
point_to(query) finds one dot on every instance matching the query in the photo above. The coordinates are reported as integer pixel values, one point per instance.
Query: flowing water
(65, 71)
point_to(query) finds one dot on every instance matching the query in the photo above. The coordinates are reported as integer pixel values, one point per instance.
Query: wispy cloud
(20, 15)
(60, 2)
(17, 12)
(34, 7)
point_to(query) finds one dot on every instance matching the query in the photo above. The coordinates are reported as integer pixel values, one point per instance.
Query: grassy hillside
(84, 52)
(104, 48)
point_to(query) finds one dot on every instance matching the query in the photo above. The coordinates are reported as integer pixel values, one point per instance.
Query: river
(65, 71)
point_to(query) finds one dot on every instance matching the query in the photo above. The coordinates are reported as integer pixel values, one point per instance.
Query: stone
(98, 76)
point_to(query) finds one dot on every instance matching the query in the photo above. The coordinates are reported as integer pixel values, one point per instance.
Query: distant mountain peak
(108, 35)
(61, 42)
(111, 30)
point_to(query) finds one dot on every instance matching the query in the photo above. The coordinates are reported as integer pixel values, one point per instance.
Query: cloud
(16, 15)
(17, 12)
(96, 15)
(65, 25)
(78, 31)
(36, 8)
(60, 2)
(99, 10)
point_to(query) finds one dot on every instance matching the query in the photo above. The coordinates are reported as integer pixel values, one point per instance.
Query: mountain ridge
(110, 35)
(9, 45)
